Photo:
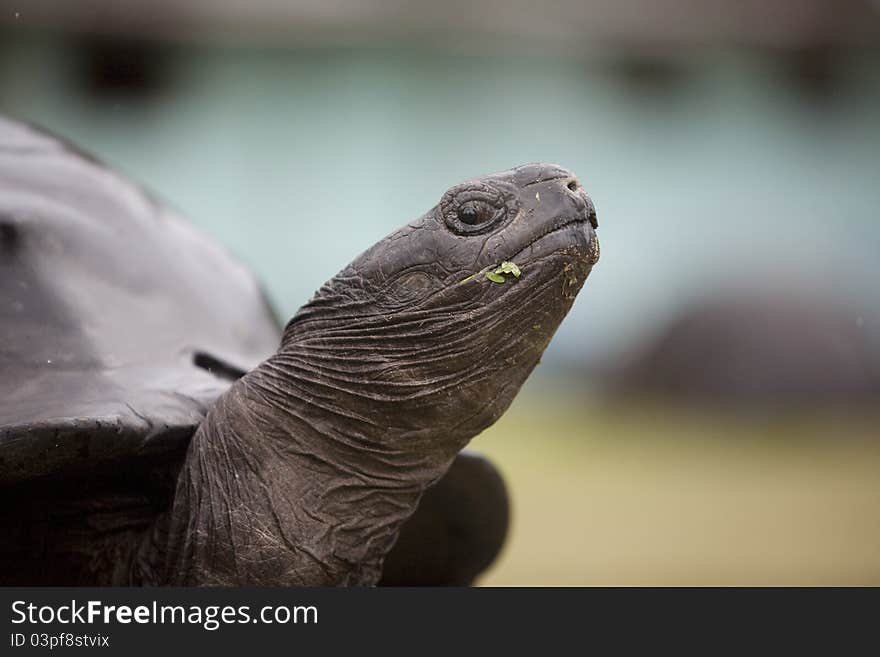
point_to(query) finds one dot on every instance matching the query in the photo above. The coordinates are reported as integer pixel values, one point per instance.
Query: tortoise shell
(119, 323)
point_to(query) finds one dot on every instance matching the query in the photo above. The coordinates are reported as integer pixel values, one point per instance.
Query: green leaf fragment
(495, 277)
(508, 268)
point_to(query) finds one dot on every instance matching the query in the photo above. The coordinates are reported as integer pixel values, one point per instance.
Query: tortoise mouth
(563, 235)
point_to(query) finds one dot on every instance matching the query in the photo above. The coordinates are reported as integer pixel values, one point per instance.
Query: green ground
(639, 494)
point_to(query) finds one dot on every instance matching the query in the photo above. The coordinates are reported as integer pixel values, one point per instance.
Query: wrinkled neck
(353, 411)
(291, 481)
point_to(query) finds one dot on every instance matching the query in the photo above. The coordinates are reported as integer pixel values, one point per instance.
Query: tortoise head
(436, 327)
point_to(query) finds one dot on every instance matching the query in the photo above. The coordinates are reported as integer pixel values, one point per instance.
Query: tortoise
(159, 425)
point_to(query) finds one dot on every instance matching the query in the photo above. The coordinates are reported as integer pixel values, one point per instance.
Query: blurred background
(708, 413)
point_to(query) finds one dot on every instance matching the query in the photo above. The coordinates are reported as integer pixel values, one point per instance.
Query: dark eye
(476, 207)
(470, 214)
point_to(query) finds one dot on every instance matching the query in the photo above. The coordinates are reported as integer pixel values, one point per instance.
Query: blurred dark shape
(574, 25)
(130, 68)
(816, 72)
(654, 76)
(457, 531)
(759, 348)
(8, 234)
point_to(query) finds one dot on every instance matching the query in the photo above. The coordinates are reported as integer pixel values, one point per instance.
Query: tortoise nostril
(573, 185)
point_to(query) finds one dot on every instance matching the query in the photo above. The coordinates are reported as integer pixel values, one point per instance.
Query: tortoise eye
(476, 207)
(474, 213)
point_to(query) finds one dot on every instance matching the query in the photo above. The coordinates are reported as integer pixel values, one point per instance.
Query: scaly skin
(305, 469)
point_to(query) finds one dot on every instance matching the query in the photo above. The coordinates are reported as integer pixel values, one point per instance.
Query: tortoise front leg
(457, 531)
